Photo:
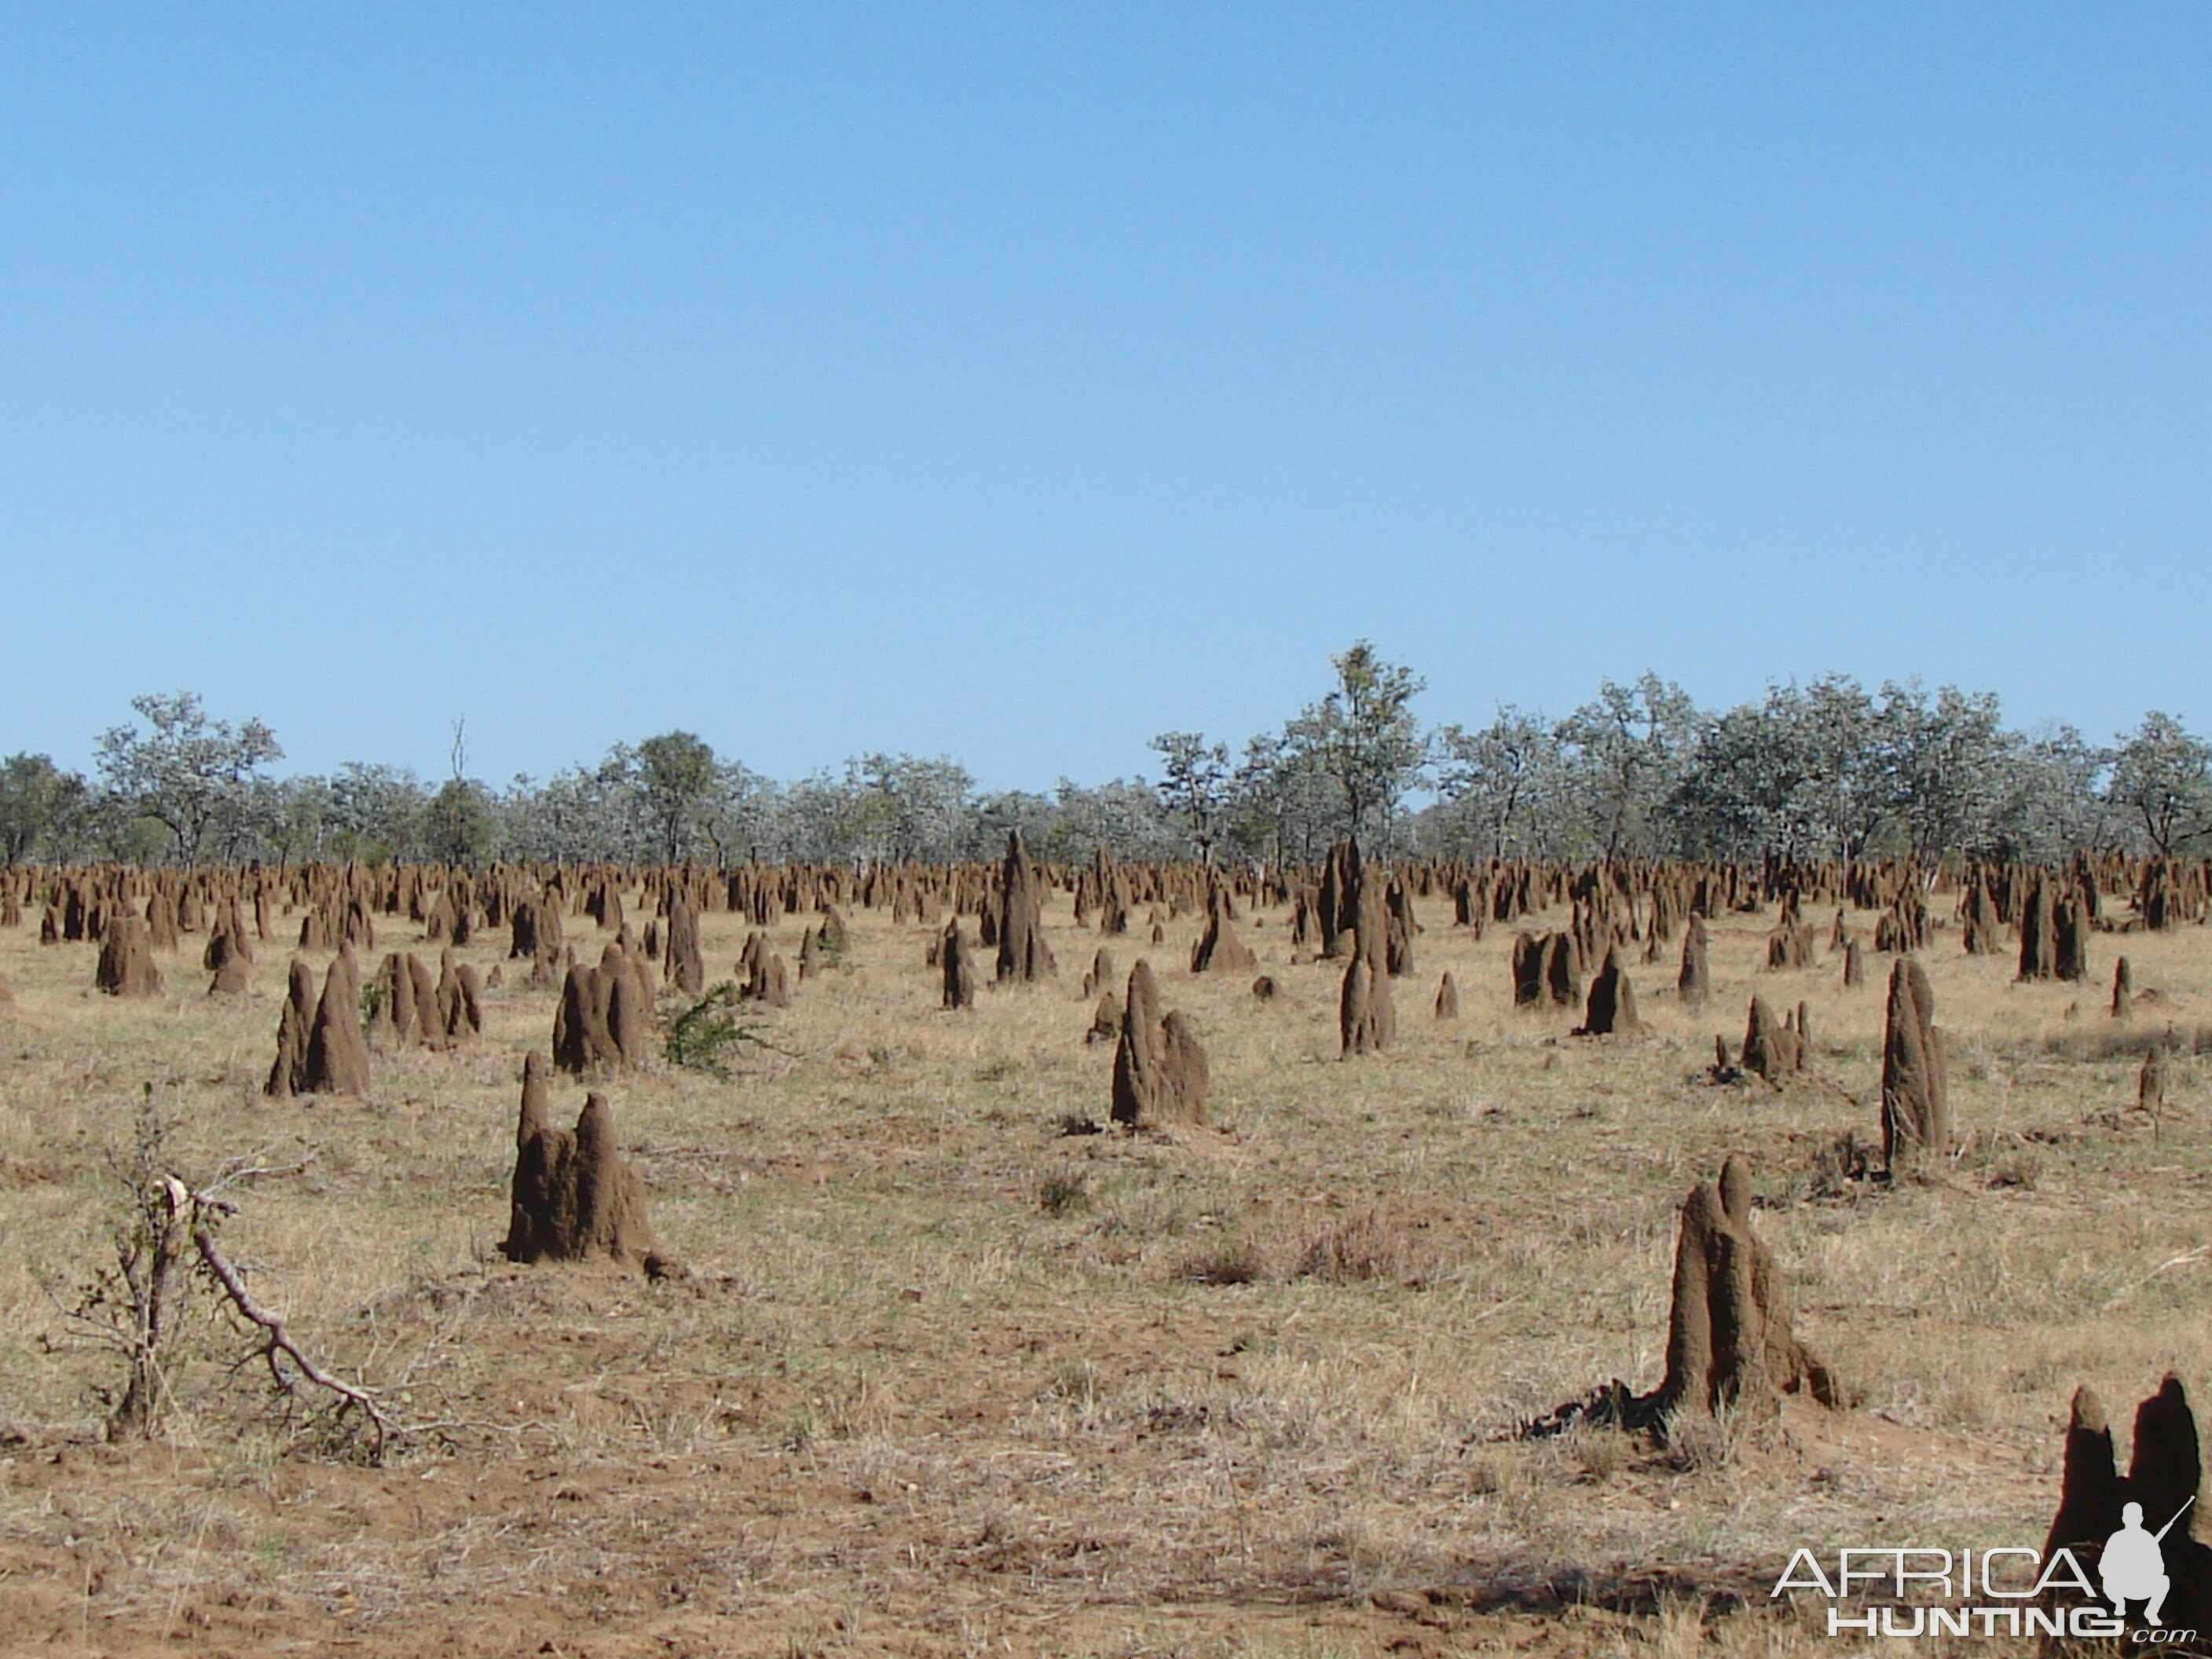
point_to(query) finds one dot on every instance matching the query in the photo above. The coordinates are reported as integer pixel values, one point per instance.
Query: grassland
(943, 1379)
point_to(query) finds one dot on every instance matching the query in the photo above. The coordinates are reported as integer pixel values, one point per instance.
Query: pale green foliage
(1365, 738)
(191, 774)
(2162, 778)
(1193, 787)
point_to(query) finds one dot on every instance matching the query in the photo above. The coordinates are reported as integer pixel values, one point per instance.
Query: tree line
(1823, 770)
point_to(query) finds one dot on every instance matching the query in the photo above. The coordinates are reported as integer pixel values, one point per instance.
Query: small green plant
(706, 1036)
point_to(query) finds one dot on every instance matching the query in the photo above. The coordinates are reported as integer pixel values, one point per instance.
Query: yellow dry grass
(944, 1380)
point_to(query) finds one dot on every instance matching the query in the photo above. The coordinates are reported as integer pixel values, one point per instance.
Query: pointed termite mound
(1446, 999)
(1854, 965)
(1982, 930)
(459, 1004)
(338, 1053)
(1366, 1015)
(629, 1005)
(686, 962)
(2039, 933)
(2069, 932)
(289, 1076)
(1915, 1108)
(1611, 1011)
(2123, 989)
(1218, 949)
(1401, 925)
(394, 1022)
(1100, 975)
(2160, 1566)
(1159, 1070)
(1694, 982)
(575, 1196)
(126, 967)
(580, 1042)
(957, 967)
(1022, 953)
(1729, 1342)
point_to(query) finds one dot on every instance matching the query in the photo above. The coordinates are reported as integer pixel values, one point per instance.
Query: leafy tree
(740, 813)
(2162, 778)
(1948, 762)
(459, 826)
(1499, 784)
(297, 818)
(375, 811)
(1193, 789)
(675, 775)
(1630, 747)
(1802, 773)
(38, 803)
(1364, 736)
(1283, 807)
(904, 807)
(1122, 815)
(2054, 800)
(191, 774)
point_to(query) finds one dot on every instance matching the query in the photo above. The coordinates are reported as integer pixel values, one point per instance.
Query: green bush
(706, 1036)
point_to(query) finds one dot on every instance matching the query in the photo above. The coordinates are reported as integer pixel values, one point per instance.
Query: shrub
(706, 1036)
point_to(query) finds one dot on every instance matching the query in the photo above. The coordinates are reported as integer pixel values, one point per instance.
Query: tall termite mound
(338, 1053)
(1022, 953)
(1611, 1011)
(290, 1072)
(1729, 1340)
(575, 1196)
(1915, 1106)
(1366, 1015)
(320, 1049)
(958, 968)
(1694, 982)
(1159, 1069)
(686, 962)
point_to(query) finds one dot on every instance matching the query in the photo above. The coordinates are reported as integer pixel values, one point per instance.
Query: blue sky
(1018, 382)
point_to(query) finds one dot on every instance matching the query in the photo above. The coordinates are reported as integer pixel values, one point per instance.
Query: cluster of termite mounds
(321, 1047)
(574, 1197)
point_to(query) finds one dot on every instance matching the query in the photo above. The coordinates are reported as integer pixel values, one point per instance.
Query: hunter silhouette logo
(2133, 1566)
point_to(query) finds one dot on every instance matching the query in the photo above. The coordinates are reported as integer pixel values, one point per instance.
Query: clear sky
(1015, 382)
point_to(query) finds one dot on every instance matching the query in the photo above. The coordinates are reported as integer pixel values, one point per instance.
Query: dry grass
(945, 1379)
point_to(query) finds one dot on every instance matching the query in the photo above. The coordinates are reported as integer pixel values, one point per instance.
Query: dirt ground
(940, 1377)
